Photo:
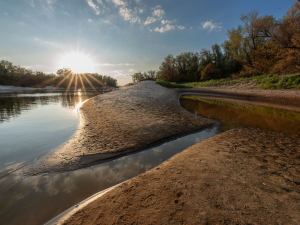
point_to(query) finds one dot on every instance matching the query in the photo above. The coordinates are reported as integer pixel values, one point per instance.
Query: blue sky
(117, 37)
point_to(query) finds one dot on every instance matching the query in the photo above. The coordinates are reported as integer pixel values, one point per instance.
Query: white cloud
(128, 15)
(157, 14)
(94, 6)
(90, 20)
(167, 21)
(165, 28)
(100, 2)
(150, 20)
(6, 14)
(211, 26)
(119, 2)
(50, 1)
(180, 27)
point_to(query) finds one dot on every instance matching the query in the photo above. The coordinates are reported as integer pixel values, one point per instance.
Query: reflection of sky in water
(33, 124)
(49, 195)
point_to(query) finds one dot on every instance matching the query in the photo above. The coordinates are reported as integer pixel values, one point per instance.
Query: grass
(263, 81)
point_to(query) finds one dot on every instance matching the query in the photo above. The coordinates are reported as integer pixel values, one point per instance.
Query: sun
(77, 62)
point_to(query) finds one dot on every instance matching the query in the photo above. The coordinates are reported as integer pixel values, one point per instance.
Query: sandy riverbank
(283, 96)
(238, 177)
(120, 122)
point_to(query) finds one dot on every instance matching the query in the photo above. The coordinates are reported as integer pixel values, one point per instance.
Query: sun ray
(47, 81)
(63, 79)
(82, 84)
(92, 86)
(76, 78)
(70, 83)
(98, 81)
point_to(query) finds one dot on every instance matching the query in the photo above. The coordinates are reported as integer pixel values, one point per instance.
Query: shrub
(210, 72)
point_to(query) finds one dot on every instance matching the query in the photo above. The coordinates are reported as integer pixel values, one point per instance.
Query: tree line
(261, 45)
(19, 76)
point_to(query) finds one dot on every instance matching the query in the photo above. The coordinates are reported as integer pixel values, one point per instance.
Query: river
(43, 121)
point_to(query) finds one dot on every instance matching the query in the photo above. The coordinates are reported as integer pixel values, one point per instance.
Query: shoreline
(81, 149)
(76, 214)
(239, 176)
(119, 123)
(286, 96)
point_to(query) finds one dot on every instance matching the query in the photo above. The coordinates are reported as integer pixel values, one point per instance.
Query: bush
(210, 72)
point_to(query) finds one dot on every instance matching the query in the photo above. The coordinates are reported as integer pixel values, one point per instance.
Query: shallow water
(32, 124)
(237, 116)
(37, 199)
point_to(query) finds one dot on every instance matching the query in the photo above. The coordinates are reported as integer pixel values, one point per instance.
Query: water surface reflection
(244, 115)
(37, 199)
(33, 124)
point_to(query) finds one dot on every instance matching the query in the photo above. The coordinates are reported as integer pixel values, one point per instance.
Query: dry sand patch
(238, 177)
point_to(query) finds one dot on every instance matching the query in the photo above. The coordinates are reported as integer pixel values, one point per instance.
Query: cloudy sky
(116, 37)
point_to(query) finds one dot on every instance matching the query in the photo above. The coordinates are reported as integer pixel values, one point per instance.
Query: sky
(117, 37)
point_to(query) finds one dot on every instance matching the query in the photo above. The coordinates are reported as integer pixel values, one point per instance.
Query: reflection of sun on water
(77, 62)
(79, 104)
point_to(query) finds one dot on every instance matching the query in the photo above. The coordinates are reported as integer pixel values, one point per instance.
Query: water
(37, 199)
(33, 124)
(245, 115)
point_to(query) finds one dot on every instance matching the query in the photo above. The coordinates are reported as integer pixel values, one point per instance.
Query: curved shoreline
(120, 123)
(240, 176)
(76, 214)
(83, 149)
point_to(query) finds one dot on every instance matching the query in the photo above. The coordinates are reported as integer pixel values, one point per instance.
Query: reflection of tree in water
(13, 105)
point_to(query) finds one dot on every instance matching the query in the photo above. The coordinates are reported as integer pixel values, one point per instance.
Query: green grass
(264, 81)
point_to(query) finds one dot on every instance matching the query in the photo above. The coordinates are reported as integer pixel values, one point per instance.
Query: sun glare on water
(77, 62)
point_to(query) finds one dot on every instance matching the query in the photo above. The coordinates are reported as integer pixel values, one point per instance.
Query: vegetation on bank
(261, 45)
(264, 81)
(18, 76)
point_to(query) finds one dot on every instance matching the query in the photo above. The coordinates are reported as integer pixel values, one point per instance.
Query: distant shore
(16, 89)
(12, 89)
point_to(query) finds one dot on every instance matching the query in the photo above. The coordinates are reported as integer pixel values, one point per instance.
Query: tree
(210, 72)
(287, 35)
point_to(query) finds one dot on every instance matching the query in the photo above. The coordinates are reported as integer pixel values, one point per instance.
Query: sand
(284, 96)
(242, 176)
(118, 123)
(238, 177)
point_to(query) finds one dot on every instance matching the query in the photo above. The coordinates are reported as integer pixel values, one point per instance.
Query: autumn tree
(287, 35)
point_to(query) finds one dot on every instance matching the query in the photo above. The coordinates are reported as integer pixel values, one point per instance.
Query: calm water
(37, 199)
(238, 116)
(33, 124)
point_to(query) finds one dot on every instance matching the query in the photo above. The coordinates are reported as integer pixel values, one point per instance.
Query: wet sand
(242, 176)
(118, 123)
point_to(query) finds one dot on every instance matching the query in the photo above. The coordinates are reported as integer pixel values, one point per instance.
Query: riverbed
(37, 199)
